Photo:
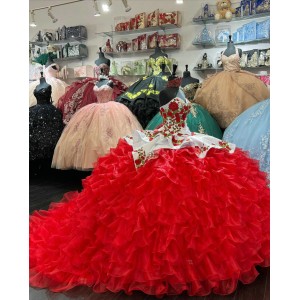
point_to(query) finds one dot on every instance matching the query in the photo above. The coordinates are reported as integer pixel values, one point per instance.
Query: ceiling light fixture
(54, 20)
(32, 23)
(105, 7)
(97, 12)
(179, 1)
(127, 7)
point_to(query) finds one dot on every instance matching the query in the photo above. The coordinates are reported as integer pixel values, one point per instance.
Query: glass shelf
(137, 31)
(236, 43)
(221, 69)
(253, 41)
(69, 58)
(204, 45)
(200, 20)
(58, 42)
(129, 53)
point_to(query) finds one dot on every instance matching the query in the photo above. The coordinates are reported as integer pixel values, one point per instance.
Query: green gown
(198, 120)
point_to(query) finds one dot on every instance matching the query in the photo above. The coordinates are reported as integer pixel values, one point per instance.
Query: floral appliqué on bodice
(190, 90)
(174, 134)
(103, 93)
(231, 62)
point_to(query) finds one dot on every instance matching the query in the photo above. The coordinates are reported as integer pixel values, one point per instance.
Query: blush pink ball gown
(93, 131)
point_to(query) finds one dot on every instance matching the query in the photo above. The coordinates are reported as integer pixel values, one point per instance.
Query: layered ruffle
(179, 223)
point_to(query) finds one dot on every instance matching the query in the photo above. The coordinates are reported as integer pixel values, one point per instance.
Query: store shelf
(204, 45)
(138, 31)
(58, 42)
(69, 58)
(199, 20)
(236, 43)
(253, 42)
(221, 69)
(133, 53)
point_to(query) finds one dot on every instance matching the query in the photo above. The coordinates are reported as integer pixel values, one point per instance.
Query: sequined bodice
(231, 62)
(155, 64)
(190, 90)
(43, 95)
(103, 93)
(105, 69)
(174, 115)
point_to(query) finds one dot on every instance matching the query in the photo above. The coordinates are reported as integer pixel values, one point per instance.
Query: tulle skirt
(198, 120)
(227, 94)
(91, 132)
(179, 223)
(80, 93)
(58, 89)
(251, 132)
(45, 128)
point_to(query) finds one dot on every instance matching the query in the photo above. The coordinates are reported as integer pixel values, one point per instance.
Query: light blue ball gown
(251, 132)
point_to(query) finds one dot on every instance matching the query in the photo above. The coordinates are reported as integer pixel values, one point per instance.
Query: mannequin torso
(231, 49)
(187, 78)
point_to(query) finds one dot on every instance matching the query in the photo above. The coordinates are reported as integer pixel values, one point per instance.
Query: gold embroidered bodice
(155, 64)
(231, 62)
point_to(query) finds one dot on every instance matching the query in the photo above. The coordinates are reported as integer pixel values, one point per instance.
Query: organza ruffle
(179, 223)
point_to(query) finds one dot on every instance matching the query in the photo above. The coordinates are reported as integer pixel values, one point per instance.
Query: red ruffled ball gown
(166, 211)
(80, 93)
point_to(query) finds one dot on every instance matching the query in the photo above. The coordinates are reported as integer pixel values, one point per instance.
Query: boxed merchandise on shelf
(169, 40)
(153, 18)
(132, 23)
(170, 18)
(135, 44)
(222, 34)
(76, 32)
(126, 68)
(252, 58)
(263, 29)
(140, 67)
(142, 42)
(152, 39)
(141, 20)
(249, 31)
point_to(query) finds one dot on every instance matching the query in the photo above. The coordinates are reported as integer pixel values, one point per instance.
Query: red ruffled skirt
(179, 223)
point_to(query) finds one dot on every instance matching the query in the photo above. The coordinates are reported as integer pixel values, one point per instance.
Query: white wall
(81, 13)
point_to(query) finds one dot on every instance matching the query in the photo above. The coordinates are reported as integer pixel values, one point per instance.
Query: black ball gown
(45, 126)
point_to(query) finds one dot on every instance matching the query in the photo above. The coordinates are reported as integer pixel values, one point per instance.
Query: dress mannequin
(43, 83)
(231, 48)
(187, 78)
(172, 89)
(104, 81)
(102, 59)
(163, 70)
(158, 52)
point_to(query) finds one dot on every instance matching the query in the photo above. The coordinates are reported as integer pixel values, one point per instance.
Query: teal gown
(198, 120)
